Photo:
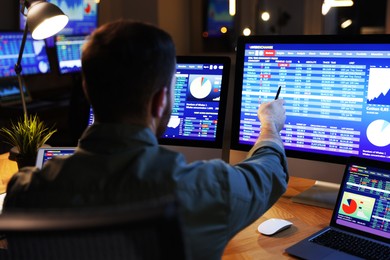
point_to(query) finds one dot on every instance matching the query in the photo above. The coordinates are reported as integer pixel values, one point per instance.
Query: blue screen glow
(34, 60)
(337, 96)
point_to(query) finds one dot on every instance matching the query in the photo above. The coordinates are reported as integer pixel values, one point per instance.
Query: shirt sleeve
(16, 187)
(256, 184)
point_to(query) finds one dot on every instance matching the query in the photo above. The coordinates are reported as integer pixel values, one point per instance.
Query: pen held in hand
(277, 93)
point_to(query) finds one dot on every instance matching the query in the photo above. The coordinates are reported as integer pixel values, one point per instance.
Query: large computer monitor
(196, 126)
(68, 48)
(337, 97)
(35, 59)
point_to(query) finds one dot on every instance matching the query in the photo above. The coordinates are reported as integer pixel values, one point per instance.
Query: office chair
(147, 231)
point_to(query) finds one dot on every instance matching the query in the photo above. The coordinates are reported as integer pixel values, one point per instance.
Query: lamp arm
(18, 69)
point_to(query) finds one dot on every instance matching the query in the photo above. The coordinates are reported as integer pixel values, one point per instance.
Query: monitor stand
(321, 194)
(193, 153)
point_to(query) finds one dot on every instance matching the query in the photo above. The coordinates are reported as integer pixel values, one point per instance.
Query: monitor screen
(68, 48)
(336, 90)
(83, 16)
(34, 61)
(200, 97)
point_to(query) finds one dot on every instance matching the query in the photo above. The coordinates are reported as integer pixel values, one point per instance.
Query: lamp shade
(45, 19)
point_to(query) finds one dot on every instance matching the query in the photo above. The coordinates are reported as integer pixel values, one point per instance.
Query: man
(128, 73)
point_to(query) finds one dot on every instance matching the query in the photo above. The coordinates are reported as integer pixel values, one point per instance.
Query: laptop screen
(45, 154)
(200, 98)
(364, 199)
(10, 91)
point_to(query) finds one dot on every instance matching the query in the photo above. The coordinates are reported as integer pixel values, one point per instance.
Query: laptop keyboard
(352, 245)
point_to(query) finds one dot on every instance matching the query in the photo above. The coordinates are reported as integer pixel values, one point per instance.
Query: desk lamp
(43, 20)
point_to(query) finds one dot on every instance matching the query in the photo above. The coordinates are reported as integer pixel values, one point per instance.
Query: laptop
(45, 154)
(361, 213)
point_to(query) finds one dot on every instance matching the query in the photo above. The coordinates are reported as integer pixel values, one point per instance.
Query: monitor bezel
(289, 39)
(217, 143)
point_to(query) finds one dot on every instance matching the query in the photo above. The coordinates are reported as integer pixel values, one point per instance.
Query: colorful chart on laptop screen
(349, 206)
(357, 206)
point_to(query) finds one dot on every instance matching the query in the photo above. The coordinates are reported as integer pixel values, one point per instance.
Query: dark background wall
(8, 15)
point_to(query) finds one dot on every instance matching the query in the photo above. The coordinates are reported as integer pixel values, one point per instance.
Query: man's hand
(272, 114)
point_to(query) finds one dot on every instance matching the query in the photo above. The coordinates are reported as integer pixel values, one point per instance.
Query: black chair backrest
(144, 231)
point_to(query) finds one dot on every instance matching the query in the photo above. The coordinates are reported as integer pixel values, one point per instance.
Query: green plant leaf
(28, 134)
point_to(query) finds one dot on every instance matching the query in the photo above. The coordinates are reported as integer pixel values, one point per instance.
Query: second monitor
(197, 121)
(68, 48)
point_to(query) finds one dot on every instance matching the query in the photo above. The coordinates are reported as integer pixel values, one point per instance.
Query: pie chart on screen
(200, 87)
(350, 206)
(378, 133)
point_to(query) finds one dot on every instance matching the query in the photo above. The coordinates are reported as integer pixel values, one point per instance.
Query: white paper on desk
(2, 196)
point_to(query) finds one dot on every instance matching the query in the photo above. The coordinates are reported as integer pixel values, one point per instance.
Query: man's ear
(159, 102)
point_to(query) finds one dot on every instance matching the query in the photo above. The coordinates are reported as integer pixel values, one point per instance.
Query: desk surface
(250, 244)
(7, 169)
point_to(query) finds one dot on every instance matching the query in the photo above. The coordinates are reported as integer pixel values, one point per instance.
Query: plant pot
(24, 161)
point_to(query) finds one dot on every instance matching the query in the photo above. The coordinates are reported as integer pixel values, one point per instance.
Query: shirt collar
(116, 136)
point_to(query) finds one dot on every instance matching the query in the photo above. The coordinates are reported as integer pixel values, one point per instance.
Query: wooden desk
(250, 244)
(7, 169)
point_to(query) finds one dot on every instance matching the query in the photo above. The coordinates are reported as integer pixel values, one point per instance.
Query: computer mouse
(273, 226)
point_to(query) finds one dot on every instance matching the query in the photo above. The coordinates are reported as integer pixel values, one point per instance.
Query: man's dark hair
(124, 63)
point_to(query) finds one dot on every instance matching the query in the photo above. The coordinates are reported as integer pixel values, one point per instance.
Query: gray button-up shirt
(116, 164)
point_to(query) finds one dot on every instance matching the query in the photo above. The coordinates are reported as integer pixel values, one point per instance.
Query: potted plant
(26, 136)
